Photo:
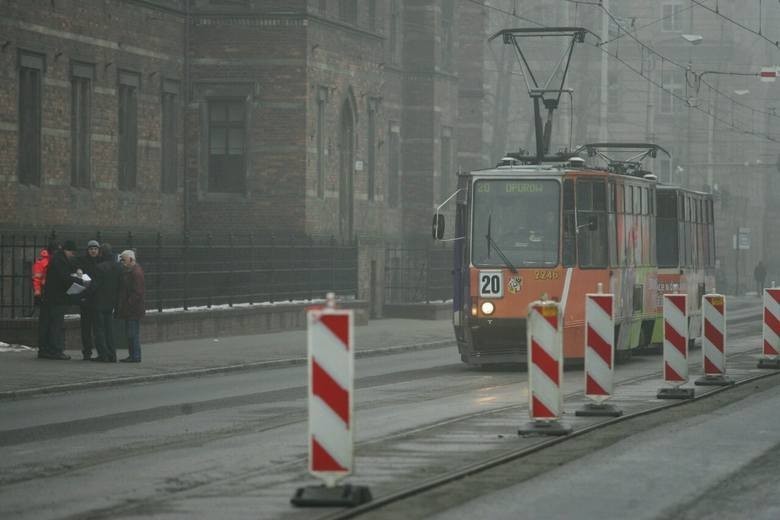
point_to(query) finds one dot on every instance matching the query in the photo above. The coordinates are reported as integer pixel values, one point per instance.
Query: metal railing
(199, 269)
(419, 274)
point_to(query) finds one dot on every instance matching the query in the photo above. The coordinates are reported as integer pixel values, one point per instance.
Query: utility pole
(604, 77)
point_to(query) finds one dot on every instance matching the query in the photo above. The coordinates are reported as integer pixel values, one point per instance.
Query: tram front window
(519, 218)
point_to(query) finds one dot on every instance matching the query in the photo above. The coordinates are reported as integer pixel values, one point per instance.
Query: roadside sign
(743, 238)
(768, 74)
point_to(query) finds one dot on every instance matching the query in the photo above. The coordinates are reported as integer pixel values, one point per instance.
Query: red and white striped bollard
(545, 369)
(770, 352)
(713, 341)
(599, 355)
(331, 358)
(675, 349)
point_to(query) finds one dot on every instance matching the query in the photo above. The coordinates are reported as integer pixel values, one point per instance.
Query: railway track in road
(437, 493)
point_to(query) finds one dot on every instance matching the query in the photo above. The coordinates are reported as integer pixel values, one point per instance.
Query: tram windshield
(516, 220)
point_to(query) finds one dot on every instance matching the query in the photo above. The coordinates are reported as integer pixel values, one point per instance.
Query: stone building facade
(306, 118)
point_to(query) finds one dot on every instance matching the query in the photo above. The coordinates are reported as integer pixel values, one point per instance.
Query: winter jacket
(131, 294)
(105, 286)
(58, 280)
(39, 272)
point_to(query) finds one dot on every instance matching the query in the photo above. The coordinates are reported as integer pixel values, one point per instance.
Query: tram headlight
(487, 308)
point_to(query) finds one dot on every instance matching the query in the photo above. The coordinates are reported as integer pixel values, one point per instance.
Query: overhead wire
(664, 59)
(716, 11)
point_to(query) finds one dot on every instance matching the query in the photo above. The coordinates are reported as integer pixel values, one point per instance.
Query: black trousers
(104, 334)
(44, 324)
(87, 326)
(56, 343)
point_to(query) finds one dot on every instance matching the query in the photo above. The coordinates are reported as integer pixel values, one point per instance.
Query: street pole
(604, 78)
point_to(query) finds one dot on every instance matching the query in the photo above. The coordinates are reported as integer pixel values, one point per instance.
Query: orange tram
(525, 232)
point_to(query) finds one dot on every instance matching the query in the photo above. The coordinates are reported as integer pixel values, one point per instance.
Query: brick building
(317, 118)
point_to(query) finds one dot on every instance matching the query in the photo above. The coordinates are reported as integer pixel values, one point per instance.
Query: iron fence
(418, 274)
(199, 269)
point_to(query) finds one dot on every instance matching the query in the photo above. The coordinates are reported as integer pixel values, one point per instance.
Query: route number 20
(491, 284)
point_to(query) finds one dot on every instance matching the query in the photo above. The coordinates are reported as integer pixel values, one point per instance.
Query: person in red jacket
(39, 275)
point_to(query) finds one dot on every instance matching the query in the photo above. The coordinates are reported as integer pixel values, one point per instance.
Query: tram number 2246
(491, 284)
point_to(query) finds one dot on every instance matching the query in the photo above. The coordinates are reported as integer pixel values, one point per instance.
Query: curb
(276, 363)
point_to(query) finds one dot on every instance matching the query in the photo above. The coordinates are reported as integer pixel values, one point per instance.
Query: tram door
(346, 172)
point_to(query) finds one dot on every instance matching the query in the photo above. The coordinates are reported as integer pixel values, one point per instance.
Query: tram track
(476, 469)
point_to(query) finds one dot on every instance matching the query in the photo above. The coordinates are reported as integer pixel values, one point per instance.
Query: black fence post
(252, 275)
(272, 256)
(209, 285)
(231, 269)
(428, 274)
(13, 276)
(332, 265)
(3, 274)
(186, 264)
(130, 240)
(158, 281)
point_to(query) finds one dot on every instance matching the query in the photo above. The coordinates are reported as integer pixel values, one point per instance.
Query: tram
(525, 232)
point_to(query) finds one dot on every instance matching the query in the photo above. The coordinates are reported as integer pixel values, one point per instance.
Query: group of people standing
(103, 286)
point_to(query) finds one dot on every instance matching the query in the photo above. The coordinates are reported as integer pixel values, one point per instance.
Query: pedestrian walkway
(21, 373)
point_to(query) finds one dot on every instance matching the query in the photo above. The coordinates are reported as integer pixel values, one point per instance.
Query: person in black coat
(59, 278)
(88, 264)
(104, 292)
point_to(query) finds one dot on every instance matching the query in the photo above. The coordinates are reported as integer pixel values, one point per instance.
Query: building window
(129, 83)
(322, 99)
(372, 15)
(31, 69)
(447, 14)
(372, 108)
(672, 90)
(671, 15)
(395, 29)
(82, 75)
(168, 141)
(445, 163)
(394, 166)
(226, 146)
(348, 11)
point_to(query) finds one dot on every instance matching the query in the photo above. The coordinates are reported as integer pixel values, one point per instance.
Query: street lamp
(694, 39)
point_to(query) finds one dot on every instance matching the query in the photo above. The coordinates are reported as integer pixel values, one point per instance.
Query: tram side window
(711, 234)
(612, 224)
(569, 227)
(666, 229)
(592, 207)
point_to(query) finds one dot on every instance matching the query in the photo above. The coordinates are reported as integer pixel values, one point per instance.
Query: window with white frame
(671, 17)
(672, 82)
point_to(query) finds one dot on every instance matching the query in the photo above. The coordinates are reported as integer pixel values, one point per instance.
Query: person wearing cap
(59, 277)
(88, 265)
(130, 305)
(105, 288)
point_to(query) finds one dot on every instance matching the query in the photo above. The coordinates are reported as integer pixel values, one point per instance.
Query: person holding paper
(60, 277)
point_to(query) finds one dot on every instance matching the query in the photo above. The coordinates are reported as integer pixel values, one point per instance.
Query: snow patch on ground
(6, 347)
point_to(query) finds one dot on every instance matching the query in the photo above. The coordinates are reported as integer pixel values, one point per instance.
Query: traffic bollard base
(719, 380)
(554, 428)
(769, 363)
(676, 393)
(598, 410)
(336, 496)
